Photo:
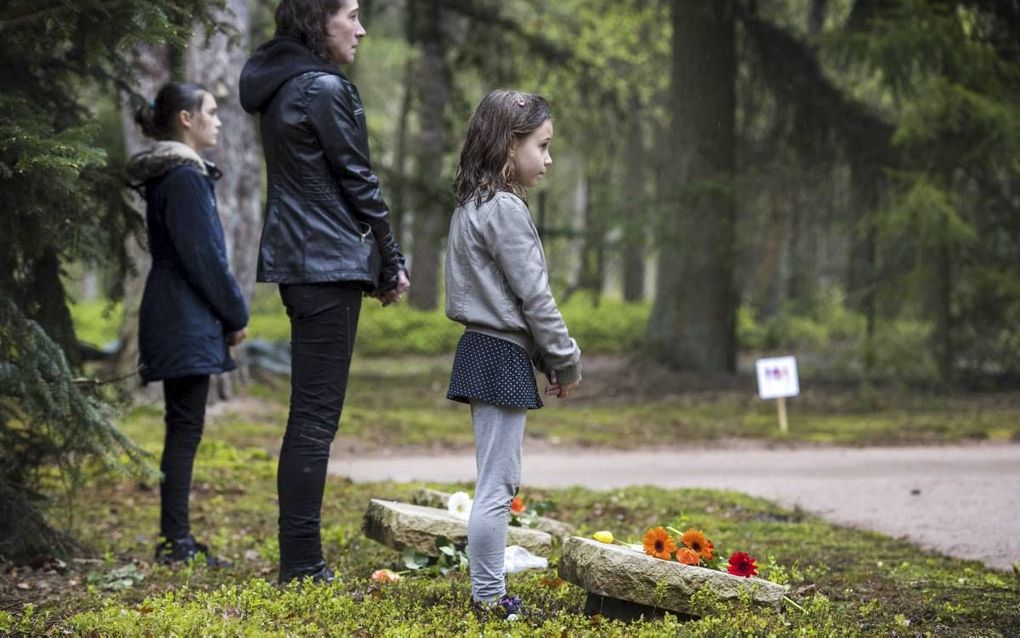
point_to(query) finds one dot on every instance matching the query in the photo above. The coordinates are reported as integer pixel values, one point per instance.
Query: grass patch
(97, 322)
(609, 327)
(848, 582)
(394, 403)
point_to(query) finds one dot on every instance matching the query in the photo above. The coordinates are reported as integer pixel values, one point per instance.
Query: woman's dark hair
(158, 118)
(305, 21)
(485, 167)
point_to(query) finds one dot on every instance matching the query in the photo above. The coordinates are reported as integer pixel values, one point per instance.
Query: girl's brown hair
(485, 167)
(305, 21)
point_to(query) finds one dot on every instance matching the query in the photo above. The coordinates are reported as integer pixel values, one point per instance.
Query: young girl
(192, 308)
(498, 287)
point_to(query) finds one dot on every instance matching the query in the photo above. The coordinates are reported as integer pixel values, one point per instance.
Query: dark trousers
(323, 324)
(185, 416)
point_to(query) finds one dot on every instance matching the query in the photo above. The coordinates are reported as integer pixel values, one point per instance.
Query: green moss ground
(401, 402)
(848, 582)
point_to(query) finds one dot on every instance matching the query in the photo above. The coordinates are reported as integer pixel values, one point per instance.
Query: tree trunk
(49, 305)
(816, 17)
(942, 301)
(862, 293)
(805, 240)
(238, 192)
(770, 290)
(592, 257)
(430, 210)
(635, 219)
(152, 70)
(217, 66)
(400, 188)
(693, 323)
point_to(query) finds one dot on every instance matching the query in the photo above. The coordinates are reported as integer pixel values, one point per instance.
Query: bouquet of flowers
(689, 548)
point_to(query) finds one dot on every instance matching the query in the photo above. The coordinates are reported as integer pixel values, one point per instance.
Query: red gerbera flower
(742, 564)
(517, 505)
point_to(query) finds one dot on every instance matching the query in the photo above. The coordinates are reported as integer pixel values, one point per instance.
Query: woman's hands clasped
(393, 295)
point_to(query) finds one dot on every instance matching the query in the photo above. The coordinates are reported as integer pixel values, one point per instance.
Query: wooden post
(781, 406)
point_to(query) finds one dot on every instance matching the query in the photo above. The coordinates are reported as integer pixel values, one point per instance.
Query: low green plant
(608, 327)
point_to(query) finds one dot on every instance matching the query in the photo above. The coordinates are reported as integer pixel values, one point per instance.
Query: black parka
(326, 220)
(191, 300)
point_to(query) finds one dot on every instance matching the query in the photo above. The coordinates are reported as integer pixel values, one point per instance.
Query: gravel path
(963, 501)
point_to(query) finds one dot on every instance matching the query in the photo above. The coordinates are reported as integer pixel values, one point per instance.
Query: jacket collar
(163, 157)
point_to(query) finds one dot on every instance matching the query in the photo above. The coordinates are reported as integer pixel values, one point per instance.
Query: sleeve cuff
(568, 375)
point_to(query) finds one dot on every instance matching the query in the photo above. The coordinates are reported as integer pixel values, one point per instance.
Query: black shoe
(186, 550)
(508, 608)
(317, 574)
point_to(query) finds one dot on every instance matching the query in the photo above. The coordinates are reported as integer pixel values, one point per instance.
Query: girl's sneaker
(508, 608)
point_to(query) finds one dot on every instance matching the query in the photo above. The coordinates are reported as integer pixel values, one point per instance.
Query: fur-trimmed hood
(163, 157)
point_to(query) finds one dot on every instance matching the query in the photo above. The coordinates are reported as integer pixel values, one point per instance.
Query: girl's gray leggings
(499, 436)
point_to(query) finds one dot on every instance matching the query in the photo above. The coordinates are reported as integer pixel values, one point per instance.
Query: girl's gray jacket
(497, 283)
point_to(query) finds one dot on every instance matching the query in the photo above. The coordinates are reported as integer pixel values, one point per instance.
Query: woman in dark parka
(192, 309)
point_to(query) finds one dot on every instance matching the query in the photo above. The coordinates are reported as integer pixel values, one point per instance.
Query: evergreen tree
(61, 202)
(948, 238)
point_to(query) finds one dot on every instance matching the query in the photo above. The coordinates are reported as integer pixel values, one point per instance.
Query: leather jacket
(326, 219)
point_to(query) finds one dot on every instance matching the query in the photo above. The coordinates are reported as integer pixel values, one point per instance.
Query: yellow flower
(659, 543)
(605, 536)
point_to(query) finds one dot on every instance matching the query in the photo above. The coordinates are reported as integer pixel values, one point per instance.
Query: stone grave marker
(399, 525)
(626, 584)
(435, 498)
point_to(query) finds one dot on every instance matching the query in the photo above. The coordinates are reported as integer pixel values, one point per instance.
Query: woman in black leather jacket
(326, 241)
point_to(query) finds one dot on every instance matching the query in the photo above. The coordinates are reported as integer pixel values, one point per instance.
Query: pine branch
(539, 45)
(791, 70)
(52, 10)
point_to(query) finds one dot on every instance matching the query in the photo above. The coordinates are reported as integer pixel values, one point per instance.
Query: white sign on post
(777, 379)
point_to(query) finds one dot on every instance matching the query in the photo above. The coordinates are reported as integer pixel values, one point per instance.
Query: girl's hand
(235, 338)
(565, 390)
(555, 389)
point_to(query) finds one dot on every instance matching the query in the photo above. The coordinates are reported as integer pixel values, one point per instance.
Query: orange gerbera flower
(688, 556)
(517, 505)
(695, 539)
(659, 543)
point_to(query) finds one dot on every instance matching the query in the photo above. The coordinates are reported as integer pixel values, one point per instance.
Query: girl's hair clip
(520, 100)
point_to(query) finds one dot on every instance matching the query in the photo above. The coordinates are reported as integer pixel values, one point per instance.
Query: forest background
(835, 179)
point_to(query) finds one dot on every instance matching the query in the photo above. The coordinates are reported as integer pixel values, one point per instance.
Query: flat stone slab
(435, 498)
(617, 572)
(399, 525)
